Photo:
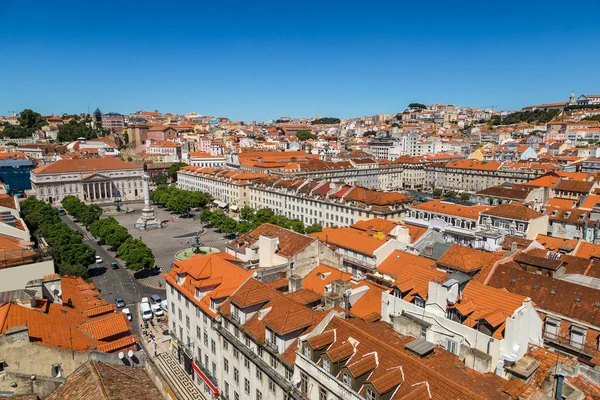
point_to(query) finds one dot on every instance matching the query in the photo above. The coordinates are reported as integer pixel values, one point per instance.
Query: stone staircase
(179, 381)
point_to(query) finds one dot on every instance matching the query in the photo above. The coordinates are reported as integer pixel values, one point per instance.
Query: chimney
(514, 246)
(560, 378)
(294, 283)
(428, 250)
(346, 300)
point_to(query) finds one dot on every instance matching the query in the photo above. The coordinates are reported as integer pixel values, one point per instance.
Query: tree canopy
(178, 200)
(326, 121)
(304, 135)
(251, 219)
(160, 179)
(71, 256)
(417, 106)
(539, 116)
(174, 168)
(77, 128)
(29, 122)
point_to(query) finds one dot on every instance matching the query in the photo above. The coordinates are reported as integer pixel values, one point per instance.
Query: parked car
(114, 265)
(164, 305)
(156, 310)
(119, 302)
(145, 311)
(144, 300)
(99, 259)
(155, 299)
(127, 313)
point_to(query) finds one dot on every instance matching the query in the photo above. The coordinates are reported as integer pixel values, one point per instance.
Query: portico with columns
(96, 181)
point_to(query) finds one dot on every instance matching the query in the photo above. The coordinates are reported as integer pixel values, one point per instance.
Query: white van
(145, 311)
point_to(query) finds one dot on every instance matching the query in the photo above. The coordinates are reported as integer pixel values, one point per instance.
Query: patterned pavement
(177, 234)
(177, 378)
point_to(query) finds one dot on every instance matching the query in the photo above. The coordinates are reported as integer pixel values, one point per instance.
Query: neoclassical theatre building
(92, 180)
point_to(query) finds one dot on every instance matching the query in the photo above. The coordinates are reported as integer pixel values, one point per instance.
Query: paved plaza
(177, 234)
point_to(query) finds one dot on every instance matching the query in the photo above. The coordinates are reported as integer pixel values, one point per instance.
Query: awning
(216, 202)
(222, 204)
(212, 387)
(234, 208)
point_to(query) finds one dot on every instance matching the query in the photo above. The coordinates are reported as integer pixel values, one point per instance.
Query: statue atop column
(148, 219)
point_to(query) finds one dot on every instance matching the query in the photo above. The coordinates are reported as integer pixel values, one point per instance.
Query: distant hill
(530, 117)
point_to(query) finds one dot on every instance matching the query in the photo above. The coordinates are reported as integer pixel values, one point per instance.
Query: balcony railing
(566, 343)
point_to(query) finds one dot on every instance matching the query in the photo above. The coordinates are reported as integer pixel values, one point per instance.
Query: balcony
(565, 343)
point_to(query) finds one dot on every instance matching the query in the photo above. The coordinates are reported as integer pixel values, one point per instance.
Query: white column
(110, 189)
(94, 190)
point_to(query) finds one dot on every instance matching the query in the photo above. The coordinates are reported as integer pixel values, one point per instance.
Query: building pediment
(95, 177)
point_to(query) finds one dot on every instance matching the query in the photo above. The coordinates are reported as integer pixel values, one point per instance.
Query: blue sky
(257, 60)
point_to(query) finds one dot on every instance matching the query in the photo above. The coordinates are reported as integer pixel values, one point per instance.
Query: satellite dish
(451, 298)
(130, 353)
(59, 292)
(121, 355)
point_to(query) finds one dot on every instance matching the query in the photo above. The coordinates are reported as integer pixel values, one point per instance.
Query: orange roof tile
(466, 259)
(447, 208)
(84, 165)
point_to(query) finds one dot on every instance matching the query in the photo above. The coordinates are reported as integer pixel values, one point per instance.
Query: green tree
(417, 106)
(136, 254)
(174, 168)
(465, 196)
(31, 121)
(125, 138)
(98, 115)
(73, 270)
(369, 133)
(229, 225)
(118, 236)
(160, 179)
(247, 213)
(75, 129)
(263, 215)
(313, 228)
(437, 193)
(326, 121)
(206, 216)
(304, 135)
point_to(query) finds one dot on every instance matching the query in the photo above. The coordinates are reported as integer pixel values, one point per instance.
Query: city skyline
(259, 62)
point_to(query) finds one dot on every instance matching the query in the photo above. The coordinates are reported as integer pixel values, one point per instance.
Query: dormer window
(419, 302)
(347, 379)
(370, 394)
(326, 364)
(307, 351)
(180, 279)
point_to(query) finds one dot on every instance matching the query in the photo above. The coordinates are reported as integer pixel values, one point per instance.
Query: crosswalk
(88, 236)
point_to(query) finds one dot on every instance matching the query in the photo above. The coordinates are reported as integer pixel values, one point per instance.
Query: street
(114, 283)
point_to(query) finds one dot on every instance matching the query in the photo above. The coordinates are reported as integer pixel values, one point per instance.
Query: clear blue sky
(256, 60)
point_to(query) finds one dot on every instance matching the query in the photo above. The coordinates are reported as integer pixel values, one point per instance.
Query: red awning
(205, 379)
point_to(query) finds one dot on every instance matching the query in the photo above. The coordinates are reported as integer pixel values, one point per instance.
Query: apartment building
(456, 222)
(113, 121)
(276, 251)
(205, 159)
(196, 289)
(486, 327)
(534, 197)
(473, 175)
(311, 201)
(508, 220)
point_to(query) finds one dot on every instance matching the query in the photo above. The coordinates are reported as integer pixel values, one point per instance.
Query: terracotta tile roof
(290, 242)
(84, 165)
(375, 225)
(401, 265)
(555, 244)
(304, 296)
(587, 250)
(514, 193)
(521, 243)
(321, 276)
(106, 326)
(324, 339)
(207, 267)
(561, 203)
(590, 202)
(466, 259)
(96, 380)
(374, 197)
(447, 208)
(68, 326)
(349, 238)
(526, 258)
(554, 295)
(569, 185)
(512, 211)
(381, 351)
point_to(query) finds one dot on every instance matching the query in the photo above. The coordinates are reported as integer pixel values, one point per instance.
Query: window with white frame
(347, 379)
(370, 394)
(451, 346)
(326, 364)
(552, 328)
(577, 336)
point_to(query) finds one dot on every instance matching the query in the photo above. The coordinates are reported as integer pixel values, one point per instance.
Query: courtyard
(176, 235)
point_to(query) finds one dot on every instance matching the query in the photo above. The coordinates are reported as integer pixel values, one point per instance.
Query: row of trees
(134, 252)
(251, 219)
(304, 135)
(326, 121)
(540, 116)
(177, 200)
(71, 255)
